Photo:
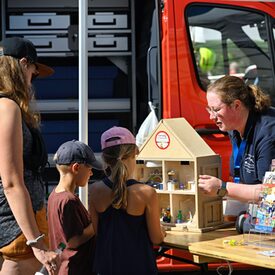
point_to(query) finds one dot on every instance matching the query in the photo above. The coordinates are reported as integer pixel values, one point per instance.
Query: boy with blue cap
(69, 221)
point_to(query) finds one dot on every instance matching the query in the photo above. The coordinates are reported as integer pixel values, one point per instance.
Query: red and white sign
(162, 140)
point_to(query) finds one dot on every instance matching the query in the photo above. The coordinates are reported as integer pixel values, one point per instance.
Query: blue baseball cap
(75, 151)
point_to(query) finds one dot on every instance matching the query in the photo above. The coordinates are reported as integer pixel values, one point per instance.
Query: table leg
(203, 266)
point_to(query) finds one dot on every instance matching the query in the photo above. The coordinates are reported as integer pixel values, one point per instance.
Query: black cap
(76, 151)
(19, 47)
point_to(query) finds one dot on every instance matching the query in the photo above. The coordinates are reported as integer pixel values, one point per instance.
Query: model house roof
(176, 139)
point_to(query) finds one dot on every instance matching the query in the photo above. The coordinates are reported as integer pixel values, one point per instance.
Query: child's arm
(156, 233)
(78, 240)
(92, 209)
(94, 216)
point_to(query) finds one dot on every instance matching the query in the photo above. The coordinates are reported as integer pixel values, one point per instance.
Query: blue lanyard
(238, 153)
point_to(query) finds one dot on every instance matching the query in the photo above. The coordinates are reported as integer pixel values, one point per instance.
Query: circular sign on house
(162, 140)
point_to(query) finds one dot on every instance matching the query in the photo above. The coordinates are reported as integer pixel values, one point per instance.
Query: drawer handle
(104, 23)
(49, 46)
(114, 45)
(49, 23)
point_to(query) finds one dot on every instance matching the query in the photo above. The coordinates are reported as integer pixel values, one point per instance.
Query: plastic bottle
(43, 270)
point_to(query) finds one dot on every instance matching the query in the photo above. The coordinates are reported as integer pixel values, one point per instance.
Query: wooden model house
(171, 160)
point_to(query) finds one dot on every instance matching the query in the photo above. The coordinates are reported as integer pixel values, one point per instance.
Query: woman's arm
(87, 234)
(155, 231)
(11, 168)
(265, 151)
(241, 192)
(11, 171)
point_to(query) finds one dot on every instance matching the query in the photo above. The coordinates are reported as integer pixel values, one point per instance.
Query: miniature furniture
(171, 160)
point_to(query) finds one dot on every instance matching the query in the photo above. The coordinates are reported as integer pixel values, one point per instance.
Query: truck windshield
(231, 41)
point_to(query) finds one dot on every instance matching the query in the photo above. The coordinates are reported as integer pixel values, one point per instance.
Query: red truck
(199, 41)
(196, 42)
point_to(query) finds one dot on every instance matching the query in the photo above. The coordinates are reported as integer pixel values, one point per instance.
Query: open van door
(216, 39)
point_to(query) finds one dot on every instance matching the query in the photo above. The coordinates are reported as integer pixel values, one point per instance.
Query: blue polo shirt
(260, 146)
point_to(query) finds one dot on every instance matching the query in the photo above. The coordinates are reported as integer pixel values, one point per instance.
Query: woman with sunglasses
(245, 112)
(23, 225)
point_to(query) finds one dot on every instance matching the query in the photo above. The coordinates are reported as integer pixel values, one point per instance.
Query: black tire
(240, 221)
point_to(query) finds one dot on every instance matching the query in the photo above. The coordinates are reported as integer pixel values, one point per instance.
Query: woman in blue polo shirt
(245, 112)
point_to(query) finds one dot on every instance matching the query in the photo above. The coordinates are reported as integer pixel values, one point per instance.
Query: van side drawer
(108, 42)
(34, 21)
(49, 43)
(65, 3)
(107, 20)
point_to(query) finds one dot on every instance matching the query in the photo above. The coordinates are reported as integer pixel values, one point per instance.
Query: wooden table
(209, 247)
(246, 253)
(182, 240)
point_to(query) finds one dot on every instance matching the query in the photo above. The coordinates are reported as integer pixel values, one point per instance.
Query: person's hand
(49, 259)
(209, 184)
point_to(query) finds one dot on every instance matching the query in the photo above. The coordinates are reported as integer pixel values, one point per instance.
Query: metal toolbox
(107, 42)
(107, 20)
(65, 3)
(108, 3)
(34, 21)
(49, 43)
(99, 42)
